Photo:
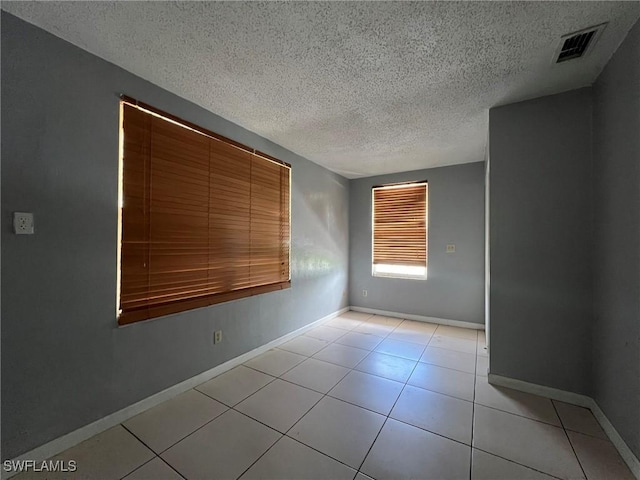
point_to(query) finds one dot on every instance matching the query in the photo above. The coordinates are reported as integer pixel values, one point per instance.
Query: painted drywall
(65, 363)
(541, 240)
(454, 288)
(616, 155)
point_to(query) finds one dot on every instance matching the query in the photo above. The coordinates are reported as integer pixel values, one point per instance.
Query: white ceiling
(362, 88)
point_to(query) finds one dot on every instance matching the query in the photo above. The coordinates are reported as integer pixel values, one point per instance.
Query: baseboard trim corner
(576, 399)
(623, 449)
(60, 444)
(420, 318)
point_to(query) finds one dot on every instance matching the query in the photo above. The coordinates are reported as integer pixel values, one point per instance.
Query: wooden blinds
(400, 225)
(203, 221)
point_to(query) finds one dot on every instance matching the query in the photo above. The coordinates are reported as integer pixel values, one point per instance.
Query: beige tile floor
(360, 397)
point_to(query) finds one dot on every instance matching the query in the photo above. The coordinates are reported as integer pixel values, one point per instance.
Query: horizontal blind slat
(203, 221)
(400, 226)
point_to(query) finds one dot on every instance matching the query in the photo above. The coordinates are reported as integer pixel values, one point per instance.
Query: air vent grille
(577, 44)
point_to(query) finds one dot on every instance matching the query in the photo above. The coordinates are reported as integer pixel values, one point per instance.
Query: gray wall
(454, 288)
(541, 240)
(65, 363)
(616, 149)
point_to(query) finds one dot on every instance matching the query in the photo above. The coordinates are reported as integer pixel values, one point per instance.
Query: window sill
(161, 310)
(387, 270)
(399, 276)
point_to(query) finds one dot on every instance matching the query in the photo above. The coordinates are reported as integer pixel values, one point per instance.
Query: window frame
(378, 270)
(155, 310)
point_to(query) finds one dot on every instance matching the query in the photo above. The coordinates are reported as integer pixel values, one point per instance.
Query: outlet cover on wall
(451, 248)
(217, 336)
(23, 223)
(364, 293)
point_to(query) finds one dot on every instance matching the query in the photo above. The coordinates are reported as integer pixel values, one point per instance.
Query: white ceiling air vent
(577, 44)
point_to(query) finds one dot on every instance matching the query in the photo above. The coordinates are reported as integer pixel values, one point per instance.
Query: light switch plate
(451, 248)
(23, 223)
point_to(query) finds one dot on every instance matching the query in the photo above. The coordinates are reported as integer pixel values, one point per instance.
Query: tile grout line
(509, 459)
(387, 418)
(425, 346)
(473, 409)
(279, 347)
(405, 383)
(289, 429)
(324, 395)
(272, 428)
(517, 463)
(320, 452)
(324, 339)
(157, 455)
(428, 431)
(364, 349)
(396, 356)
(383, 423)
(555, 409)
(182, 438)
(318, 391)
(229, 407)
(327, 394)
(351, 369)
(171, 467)
(286, 371)
(519, 415)
(473, 428)
(329, 343)
(204, 424)
(588, 434)
(139, 466)
(282, 435)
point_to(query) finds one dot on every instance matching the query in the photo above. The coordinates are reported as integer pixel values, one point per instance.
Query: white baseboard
(535, 389)
(420, 318)
(625, 452)
(71, 439)
(576, 399)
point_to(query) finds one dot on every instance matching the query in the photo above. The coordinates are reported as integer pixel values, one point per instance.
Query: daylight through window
(400, 231)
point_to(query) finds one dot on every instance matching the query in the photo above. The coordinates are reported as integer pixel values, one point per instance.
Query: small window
(203, 219)
(400, 231)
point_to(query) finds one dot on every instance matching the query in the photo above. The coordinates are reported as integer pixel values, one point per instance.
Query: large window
(400, 231)
(203, 219)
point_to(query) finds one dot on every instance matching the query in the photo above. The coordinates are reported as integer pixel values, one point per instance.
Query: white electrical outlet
(23, 223)
(451, 248)
(364, 293)
(217, 336)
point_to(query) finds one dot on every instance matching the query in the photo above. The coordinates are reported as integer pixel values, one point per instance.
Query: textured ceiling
(361, 88)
